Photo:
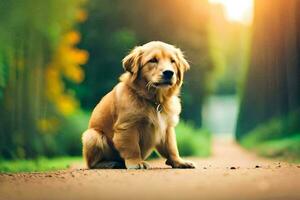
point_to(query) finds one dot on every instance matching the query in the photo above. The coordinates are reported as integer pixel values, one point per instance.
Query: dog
(140, 113)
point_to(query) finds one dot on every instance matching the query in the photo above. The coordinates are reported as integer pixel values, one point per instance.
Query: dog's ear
(131, 63)
(182, 61)
(183, 66)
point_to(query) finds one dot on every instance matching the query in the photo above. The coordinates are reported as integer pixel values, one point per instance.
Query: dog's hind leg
(98, 153)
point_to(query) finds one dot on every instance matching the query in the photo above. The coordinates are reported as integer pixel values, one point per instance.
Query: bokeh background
(59, 57)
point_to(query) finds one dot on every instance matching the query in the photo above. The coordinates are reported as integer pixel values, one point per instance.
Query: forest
(58, 58)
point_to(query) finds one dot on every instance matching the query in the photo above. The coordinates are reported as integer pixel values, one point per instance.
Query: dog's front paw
(180, 164)
(137, 165)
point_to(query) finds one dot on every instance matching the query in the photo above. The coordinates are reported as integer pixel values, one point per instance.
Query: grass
(279, 138)
(284, 149)
(38, 165)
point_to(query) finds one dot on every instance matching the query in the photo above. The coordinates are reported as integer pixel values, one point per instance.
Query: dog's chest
(153, 133)
(160, 126)
(155, 130)
(160, 121)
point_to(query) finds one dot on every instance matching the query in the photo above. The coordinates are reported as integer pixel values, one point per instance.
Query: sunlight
(237, 10)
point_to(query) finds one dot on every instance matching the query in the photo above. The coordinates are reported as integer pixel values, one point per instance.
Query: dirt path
(231, 174)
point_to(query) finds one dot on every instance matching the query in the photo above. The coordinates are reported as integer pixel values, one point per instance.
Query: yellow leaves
(75, 74)
(78, 56)
(70, 53)
(54, 84)
(67, 104)
(66, 64)
(81, 15)
(72, 38)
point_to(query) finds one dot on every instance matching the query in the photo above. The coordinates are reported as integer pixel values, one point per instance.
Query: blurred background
(59, 57)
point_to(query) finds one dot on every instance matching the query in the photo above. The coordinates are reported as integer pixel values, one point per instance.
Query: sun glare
(237, 10)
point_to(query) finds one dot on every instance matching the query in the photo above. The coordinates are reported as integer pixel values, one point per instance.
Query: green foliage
(280, 137)
(69, 136)
(30, 35)
(3, 76)
(274, 129)
(38, 165)
(192, 141)
(287, 148)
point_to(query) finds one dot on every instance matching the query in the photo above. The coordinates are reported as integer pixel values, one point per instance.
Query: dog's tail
(92, 147)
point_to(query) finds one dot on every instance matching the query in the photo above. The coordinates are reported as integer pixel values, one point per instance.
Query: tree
(272, 85)
(34, 56)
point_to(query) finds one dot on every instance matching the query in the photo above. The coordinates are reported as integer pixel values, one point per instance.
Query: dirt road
(231, 173)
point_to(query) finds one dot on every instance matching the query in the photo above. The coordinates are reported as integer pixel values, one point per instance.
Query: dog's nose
(168, 74)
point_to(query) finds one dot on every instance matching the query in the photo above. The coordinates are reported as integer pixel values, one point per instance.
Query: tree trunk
(272, 85)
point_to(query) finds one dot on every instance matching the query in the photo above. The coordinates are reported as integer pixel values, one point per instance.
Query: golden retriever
(140, 113)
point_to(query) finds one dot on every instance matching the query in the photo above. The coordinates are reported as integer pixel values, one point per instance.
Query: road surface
(231, 173)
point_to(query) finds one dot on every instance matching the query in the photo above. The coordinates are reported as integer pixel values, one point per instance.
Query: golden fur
(140, 113)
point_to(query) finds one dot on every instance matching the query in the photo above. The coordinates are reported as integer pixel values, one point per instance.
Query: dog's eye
(153, 60)
(172, 60)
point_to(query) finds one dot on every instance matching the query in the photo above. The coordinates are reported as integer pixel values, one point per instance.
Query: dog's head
(157, 65)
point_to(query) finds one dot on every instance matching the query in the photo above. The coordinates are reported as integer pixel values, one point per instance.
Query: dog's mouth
(163, 84)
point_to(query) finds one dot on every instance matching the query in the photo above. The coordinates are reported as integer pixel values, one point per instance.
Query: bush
(276, 128)
(192, 141)
(69, 137)
(287, 148)
(280, 137)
